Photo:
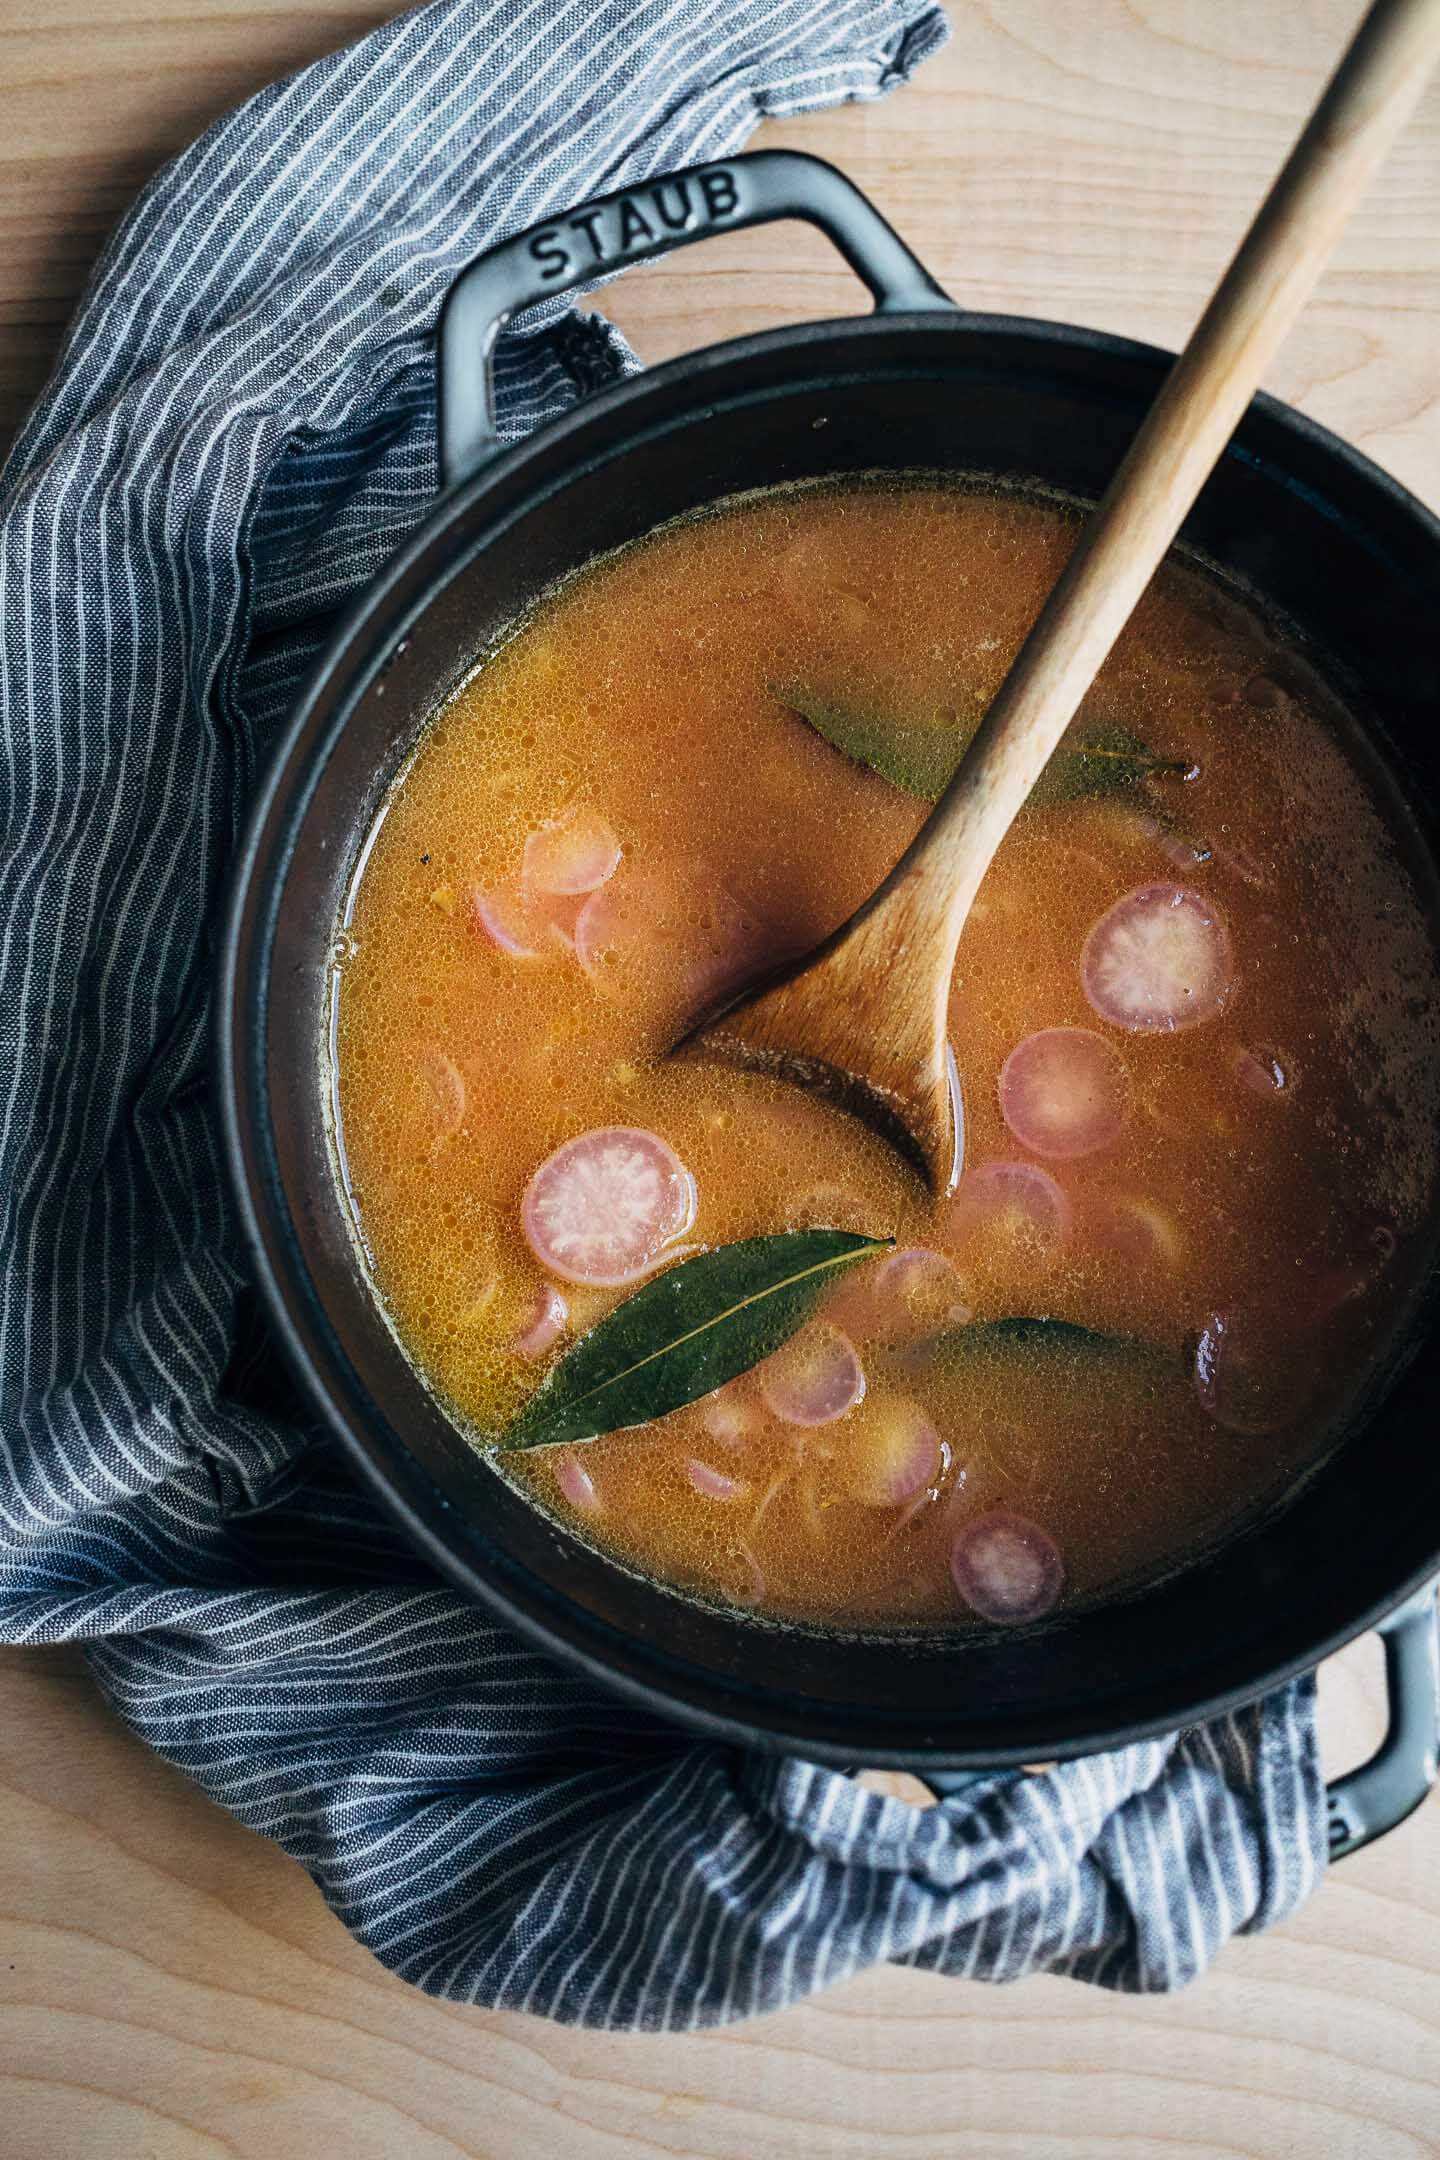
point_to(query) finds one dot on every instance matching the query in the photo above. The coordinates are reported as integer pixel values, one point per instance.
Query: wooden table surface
(171, 1987)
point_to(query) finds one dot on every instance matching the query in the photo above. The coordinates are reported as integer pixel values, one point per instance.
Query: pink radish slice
(1158, 961)
(909, 1296)
(575, 853)
(603, 1208)
(1264, 1070)
(619, 927)
(894, 1454)
(1246, 1383)
(508, 918)
(1065, 1091)
(442, 1097)
(1183, 854)
(522, 923)
(1007, 1567)
(814, 1379)
(1135, 1228)
(1017, 1196)
(545, 1325)
(576, 1483)
(727, 1417)
(714, 1484)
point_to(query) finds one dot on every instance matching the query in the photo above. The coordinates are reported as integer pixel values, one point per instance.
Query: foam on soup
(1194, 1010)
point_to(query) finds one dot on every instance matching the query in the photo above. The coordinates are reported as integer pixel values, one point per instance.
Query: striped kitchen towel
(238, 434)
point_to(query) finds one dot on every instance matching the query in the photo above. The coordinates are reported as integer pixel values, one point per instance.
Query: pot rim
(350, 658)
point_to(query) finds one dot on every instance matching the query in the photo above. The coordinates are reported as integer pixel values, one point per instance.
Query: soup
(1194, 1013)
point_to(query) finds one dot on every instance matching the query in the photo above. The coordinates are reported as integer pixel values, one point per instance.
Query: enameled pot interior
(1348, 557)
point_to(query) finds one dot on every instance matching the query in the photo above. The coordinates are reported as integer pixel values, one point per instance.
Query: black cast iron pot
(1314, 528)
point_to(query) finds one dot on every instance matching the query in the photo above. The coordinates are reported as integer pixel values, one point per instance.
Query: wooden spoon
(862, 1020)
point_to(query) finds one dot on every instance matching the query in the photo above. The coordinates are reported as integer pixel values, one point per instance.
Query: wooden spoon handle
(1366, 104)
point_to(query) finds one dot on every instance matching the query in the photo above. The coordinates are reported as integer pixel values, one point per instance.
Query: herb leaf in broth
(920, 752)
(687, 1332)
(917, 752)
(1034, 1341)
(1046, 1337)
(1107, 762)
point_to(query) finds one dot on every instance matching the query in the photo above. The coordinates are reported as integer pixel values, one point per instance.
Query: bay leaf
(919, 751)
(1040, 1335)
(1032, 1341)
(1104, 762)
(915, 751)
(686, 1332)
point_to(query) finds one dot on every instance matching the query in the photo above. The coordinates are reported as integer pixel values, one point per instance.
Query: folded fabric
(238, 433)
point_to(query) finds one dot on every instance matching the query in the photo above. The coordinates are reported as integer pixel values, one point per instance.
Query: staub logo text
(633, 222)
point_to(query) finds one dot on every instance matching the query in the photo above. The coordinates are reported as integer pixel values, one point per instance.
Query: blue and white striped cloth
(238, 433)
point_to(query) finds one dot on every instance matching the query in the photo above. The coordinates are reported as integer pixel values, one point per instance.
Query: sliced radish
(1007, 1567)
(1264, 1070)
(544, 1325)
(575, 853)
(894, 1454)
(713, 1484)
(814, 1379)
(576, 1483)
(522, 923)
(1065, 1091)
(909, 1296)
(1158, 961)
(643, 931)
(620, 926)
(1248, 1380)
(1017, 1197)
(728, 1416)
(441, 1097)
(1183, 854)
(1135, 1228)
(603, 1208)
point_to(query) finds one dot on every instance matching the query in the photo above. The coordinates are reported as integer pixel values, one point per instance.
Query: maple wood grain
(172, 1987)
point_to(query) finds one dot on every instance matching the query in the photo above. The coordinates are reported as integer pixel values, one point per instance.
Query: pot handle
(633, 225)
(1371, 1799)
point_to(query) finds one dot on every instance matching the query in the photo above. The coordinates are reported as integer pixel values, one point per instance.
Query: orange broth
(1276, 1162)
